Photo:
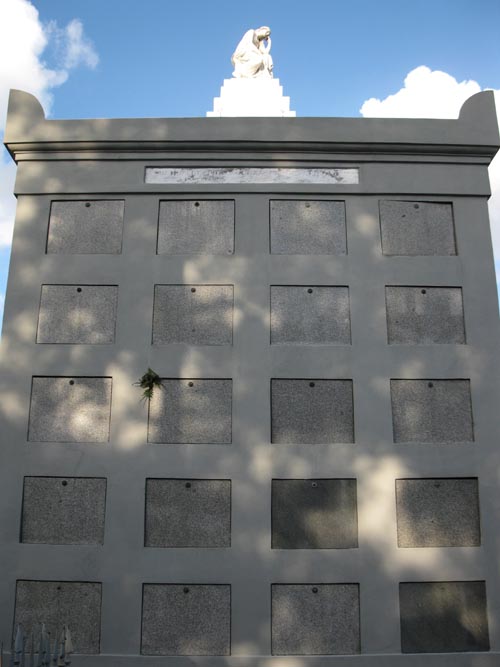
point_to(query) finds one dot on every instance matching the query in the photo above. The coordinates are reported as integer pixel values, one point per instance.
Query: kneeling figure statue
(252, 56)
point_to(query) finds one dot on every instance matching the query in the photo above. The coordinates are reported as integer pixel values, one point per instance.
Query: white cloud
(434, 94)
(24, 41)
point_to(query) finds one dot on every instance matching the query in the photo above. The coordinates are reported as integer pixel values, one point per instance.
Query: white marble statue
(252, 56)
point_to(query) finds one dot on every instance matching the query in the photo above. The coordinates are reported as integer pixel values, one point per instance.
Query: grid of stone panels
(431, 512)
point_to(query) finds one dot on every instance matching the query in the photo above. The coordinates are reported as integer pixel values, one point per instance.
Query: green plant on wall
(148, 382)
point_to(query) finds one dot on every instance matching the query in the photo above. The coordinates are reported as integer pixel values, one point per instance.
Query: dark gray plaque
(77, 314)
(86, 227)
(63, 510)
(58, 603)
(315, 619)
(311, 411)
(188, 513)
(443, 617)
(438, 513)
(65, 409)
(431, 411)
(301, 227)
(191, 411)
(310, 315)
(417, 228)
(186, 619)
(425, 315)
(193, 314)
(314, 514)
(196, 227)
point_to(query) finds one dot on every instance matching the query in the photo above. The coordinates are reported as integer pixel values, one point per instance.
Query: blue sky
(123, 58)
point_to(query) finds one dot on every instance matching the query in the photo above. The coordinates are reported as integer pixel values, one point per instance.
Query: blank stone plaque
(314, 514)
(188, 513)
(431, 411)
(63, 510)
(77, 314)
(58, 603)
(443, 617)
(437, 513)
(186, 619)
(193, 314)
(417, 228)
(310, 315)
(67, 409)
(301, 227)
(425, 315)
(86, 227)
(191, 411)
(311, 411)
(315, 619)
(196, 227)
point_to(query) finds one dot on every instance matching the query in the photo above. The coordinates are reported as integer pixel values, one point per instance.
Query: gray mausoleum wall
(319, 475)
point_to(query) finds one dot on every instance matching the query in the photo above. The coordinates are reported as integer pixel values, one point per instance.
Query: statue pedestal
(261, 96)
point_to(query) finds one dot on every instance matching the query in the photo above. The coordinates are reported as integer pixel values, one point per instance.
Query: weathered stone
(438, 513)
(186, 619)
(58, 603)
(191, 411)
(443, 617)
(77, 314)
(188, 513)
(85, 227)
(310, 315)
(421, 315)
(315, 619)
(193, 314)
(63, 510)
(314, 514)
(417, 228)
(67, 409)
(431, 411)
(311, 411)
(301, 227)
(196, 227)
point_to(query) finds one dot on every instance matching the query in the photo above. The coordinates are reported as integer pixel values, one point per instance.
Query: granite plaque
(86, 227)
(300, 227)
(196, 227)
(77, 314)
(193, 314)
(438, 512)
(423, 315)
(63, 510)
(186, 619)
(188, 513)
(310, 315)
(314, 514)
(315, 619)
(443, 617)
(191, 411)
(417, 228)
(311, 411)
(58, 603)
(432, 411)
(65, 409)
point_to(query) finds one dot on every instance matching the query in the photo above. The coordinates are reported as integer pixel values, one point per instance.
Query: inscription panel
(314, 514)
(188, 513)
(196, 227)
(70, 409)
(58, 603)
(433, 411)
(186, 619)
(77, 314)
(86, 227)
(311, 411)
(63, 510)
(312, 315)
